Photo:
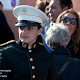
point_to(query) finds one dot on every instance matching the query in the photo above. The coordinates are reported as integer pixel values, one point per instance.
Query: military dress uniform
(26, 63)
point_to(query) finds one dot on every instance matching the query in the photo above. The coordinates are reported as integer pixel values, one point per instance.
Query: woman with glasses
(71, 19)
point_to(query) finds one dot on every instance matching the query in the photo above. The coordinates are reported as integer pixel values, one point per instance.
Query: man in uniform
(28, 59)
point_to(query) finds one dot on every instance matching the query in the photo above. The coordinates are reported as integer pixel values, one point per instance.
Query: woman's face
(29, 34)
(70, 20)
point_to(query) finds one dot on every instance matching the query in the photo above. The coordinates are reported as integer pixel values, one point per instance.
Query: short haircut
(64, 3)
(58, 34)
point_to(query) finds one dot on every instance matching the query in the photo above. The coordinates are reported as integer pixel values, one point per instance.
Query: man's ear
(39, 31)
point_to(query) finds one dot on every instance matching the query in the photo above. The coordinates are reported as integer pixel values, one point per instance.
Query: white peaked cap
(29, 13)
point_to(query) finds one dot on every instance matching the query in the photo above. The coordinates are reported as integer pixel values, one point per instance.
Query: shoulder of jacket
(7, 43)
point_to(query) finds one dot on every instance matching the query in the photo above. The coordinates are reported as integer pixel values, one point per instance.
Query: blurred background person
(6, 33)
(70, 19)
(54, 8)
(57, 7)
(57, 38)
(41, 4)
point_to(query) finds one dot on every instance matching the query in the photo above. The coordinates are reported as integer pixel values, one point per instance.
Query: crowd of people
(48, 47)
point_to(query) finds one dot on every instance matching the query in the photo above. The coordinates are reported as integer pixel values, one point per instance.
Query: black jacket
(33, 64)
(6, 33)
(72, 71)
(72, 52)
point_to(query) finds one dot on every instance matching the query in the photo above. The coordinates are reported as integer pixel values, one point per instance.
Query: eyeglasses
(73, 21)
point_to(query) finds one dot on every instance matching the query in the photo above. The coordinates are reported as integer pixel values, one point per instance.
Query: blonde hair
(75, 36)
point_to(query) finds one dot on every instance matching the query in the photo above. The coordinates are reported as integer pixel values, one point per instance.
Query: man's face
(55, 10)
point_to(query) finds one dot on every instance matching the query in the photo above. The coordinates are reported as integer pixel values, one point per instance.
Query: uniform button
(31, 59)
(33, 67)
(33, 76)
(30, 51)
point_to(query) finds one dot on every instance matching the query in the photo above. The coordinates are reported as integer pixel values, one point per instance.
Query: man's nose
(50, 10)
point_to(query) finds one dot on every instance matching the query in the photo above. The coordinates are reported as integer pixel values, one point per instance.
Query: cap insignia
(24, 9)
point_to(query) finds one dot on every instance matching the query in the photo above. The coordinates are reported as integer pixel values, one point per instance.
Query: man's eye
(30, 28)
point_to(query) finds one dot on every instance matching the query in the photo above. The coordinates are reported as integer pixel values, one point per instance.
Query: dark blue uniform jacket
(33, 64)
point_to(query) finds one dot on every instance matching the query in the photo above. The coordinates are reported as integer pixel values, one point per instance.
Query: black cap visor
(25, 23)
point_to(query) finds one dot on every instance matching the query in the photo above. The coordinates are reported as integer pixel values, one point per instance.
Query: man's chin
(52, 19)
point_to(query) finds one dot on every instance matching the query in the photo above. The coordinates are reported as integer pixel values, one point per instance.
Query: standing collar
(25, 45)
